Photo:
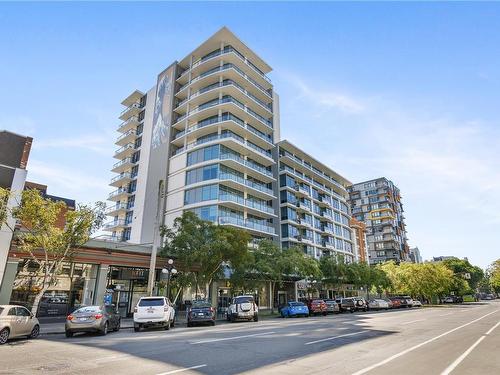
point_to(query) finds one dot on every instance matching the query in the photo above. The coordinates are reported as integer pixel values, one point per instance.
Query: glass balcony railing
(246, 202)
(118, 192)
(123, 162)
(243, 181)
(124, 135)
(123, 148)
(133, 106)
(121, 206)
(246, 224)
(116, 223)
(121, 176)
(247, 163)
(133, 119)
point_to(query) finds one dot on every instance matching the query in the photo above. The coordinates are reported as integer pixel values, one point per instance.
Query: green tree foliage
(466, 277)
(335, 271)
(203, 248)
(42, 238)
(494, 276)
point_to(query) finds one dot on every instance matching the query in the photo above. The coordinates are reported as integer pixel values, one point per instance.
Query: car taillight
(70, 317)
(165, 308)
(212, 309)
(135, 309)
(98, 316)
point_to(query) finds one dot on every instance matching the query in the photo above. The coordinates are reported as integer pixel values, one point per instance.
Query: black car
(346, 304)
(360, 304)
(200, 312)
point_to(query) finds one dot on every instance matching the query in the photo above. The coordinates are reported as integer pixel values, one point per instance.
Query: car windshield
(88, 309)
(151, 302)
(296, 304)
(329, 301)
(243, 300)
(200, 304)
(318, 301)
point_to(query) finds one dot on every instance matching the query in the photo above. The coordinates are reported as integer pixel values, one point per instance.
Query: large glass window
(287, 197)
(288, 213)
(205, 173)
(208, 213)
(204, 154)
(286, 180)
(200, 194)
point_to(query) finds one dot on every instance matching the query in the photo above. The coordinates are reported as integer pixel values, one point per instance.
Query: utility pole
(157, 240)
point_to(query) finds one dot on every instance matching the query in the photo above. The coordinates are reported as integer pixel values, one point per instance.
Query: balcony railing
(249, 183)
(124, 135)
(123, 162)
(246, 224)
(123, 148)
(130, 120)
(116, 223)
(247, 163)
(121, 206)
(118, 192)
(135, 105)
(246, 202)
(121, 176)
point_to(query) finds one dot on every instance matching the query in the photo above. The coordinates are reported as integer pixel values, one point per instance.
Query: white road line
(457, 361)
(413, 321)
(397, 355)
(446, 314)
(334, 337)
(492, 328)
(232, 338)
(181, 370)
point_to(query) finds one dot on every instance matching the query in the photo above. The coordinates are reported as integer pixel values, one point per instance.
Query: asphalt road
(458, 340)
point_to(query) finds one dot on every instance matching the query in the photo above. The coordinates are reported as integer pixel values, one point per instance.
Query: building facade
(201, 139)
(415, 255)
(377, 203)
(360, 246)
(314, 209)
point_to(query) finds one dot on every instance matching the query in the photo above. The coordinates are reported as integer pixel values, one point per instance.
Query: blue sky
(403, 90)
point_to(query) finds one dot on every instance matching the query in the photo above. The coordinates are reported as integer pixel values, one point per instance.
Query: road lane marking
(334, 337)
(397, 355)
(232, 338)
(413, 321)
(446, 314)
(457, 361)
(492, 328)
(181, 370)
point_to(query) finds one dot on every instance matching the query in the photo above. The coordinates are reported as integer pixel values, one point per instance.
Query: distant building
(14, 154)
(415, 256)
(377, 203)
(360, 246)
(446, 257)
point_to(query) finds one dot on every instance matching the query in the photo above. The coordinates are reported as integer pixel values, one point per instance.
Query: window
(288, 213)
(204, 154)
(347, 233)
(338, 230)
(208, 213)
(200, 194)
(12, 312)
(335, 204)
(208, 172)
(286, 180)
(381, 253)
(345, 220)
(287, 197)
(126, 234)
(343, 207)
(21, 311)
(151, 302)
(336, 217)
(339, 244)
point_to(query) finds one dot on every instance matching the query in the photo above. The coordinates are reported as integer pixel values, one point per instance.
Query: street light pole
(169, 270)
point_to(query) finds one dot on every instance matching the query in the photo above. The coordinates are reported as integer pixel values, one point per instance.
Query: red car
(317, 306)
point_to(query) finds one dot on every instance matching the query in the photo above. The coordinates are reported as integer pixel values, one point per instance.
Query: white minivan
(153, 312)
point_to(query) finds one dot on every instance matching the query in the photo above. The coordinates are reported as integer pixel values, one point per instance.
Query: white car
(417, 303)
(243, 308)
(17, 321)
(153, 312)
(378, 304)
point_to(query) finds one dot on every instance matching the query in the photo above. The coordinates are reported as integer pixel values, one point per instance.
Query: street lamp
(169, 270)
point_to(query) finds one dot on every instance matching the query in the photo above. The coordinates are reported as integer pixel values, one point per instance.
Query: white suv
(244, 308)
(153, 312)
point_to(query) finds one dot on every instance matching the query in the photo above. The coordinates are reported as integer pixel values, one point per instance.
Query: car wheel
(34, 332)
(232, 319)
(255, 318)
(173, 323)
(4, 335)
(213, 323)
(104, 331)
(118, 325)
(189, 324)
(167, 326)
(137, 327)
(69, 334)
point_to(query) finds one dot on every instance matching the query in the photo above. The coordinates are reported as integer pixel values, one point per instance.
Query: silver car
(17, 321)
(100, 319)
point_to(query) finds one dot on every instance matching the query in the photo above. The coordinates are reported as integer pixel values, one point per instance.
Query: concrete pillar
(9, 276)
(89, 287)
(101, 284)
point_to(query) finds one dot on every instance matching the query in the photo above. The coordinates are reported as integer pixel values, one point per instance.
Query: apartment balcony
(240, 183)
(128, 137)
(302, 207)
(303, 223)
(237, 202)
(248, 167)
(305, 239)
(123, 165)
(119, 194)
(125, 151)
(119, 209)
(302, 191)
(230, 56)
(328, 245)
(121, 179)
(134, 97)
(251, 226)
(132, 110)
(116, 225)
(129, 124)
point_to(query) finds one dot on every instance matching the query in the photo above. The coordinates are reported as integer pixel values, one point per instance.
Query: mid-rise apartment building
(359, 242)
(415, 255)
(377, 203)
(201, 139)
(314, 211)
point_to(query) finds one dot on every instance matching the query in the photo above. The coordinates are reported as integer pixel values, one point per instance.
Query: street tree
(46, 242)
(466, 276)
(203, 248)
(335, 271)
(494, 276)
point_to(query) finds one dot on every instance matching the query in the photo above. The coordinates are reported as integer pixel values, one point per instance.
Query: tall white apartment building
(201, 139)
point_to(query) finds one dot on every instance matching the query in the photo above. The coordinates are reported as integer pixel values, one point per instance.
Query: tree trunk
(38, 297)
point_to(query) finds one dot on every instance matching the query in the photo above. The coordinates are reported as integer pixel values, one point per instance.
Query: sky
(409, 91)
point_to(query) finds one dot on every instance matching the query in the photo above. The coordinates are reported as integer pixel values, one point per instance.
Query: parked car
(243, 308)
(378, 304)
(154, 312)
(316, 307)
(332, 307)
(345, 304)
(360, 304)
(100, 319)
(389, 302)
(200, 312)
(409, 301)
(17, 321)
(417, 303)
(294, 308)
(396, 302)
